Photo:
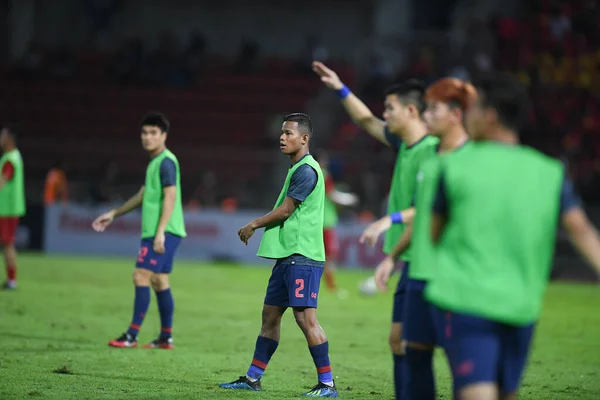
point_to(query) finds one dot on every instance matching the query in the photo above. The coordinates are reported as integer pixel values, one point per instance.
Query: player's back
(494, 256)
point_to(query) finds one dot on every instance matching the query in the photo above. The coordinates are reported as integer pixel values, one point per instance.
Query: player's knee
(306, 319)
(270, 319)
(142, 277)
(159, 282)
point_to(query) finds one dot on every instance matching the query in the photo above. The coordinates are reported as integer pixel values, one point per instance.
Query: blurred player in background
(333, 199)
(405, 131)
(294, 238)
(496, 207)
(56, 187)
(12, 201)
(447, 100)
(162, 230)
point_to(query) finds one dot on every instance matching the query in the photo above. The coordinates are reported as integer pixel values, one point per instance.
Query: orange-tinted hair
(452, 90)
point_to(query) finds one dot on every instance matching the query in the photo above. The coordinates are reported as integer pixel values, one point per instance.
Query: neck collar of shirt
(303, 157)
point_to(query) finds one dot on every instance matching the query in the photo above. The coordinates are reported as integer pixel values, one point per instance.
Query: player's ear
(412, 111)
(458, 113)
(305, 138)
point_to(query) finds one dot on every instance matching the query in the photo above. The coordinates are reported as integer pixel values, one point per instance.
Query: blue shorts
(158, 263)
(294, 282)
(419, 317)
(481, 350)
(400, 295)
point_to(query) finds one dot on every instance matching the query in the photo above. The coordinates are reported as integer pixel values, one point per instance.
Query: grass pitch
(54, 331)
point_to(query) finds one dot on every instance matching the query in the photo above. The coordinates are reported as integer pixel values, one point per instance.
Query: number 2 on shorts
(300, 283)
(143, 253)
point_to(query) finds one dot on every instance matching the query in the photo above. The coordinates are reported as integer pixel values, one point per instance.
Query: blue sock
(420, 383)
(140, 308)
(320, 355)
(166, 307)
(263, 351)
(399, 371)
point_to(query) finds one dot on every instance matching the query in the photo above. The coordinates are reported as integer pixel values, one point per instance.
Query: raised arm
(358, 111)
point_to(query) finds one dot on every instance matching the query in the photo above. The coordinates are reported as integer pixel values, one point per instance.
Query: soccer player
(12, 201)
(162, 230)
(294, 238)
(494, 208)
(447, 100)
(333, 200)
(405, 131)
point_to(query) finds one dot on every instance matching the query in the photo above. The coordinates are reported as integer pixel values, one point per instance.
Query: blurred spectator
(104, 188)
(56, 188)
(165, 65)
(379, 75)
(32, 62)
(205, 195)
(560, 24)
(248, 57)
(423, 65)
(314, 49)
(194, 56)
(128, 63)
(99, 13)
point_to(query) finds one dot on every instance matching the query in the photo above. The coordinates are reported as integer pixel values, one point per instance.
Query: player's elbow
(286, 212)
(365, 121)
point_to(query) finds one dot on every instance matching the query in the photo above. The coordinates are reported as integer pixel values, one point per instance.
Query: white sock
(251, 379)
(330, 384)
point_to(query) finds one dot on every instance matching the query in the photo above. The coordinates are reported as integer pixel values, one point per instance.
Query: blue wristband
(343, 92)
(396, 218)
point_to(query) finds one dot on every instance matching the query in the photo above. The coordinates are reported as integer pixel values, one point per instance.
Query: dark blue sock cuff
(319, 350)
(267, 345)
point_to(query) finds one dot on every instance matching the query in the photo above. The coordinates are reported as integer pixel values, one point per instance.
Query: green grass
(54, 330)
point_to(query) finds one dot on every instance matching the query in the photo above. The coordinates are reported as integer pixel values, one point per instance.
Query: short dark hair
(302, 119)
(11, 131)
(410, 92)
(156, 119)
(505, 94)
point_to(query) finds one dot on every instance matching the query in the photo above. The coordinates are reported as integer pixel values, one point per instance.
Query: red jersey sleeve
(8, 170)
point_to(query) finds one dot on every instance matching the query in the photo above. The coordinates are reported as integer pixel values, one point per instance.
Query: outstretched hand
(373, 231)
(103, 221)
(328, 76)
